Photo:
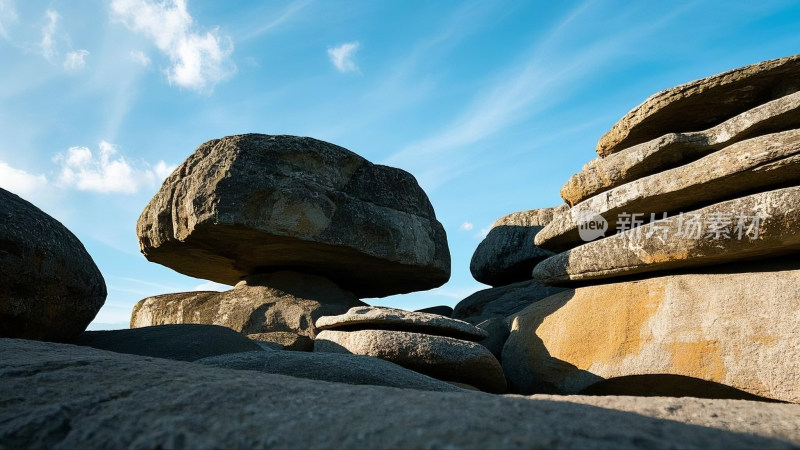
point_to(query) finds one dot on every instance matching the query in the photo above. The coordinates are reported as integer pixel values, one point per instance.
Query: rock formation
(50, 288)
(689, 218)
(427, 343)
(302, 227)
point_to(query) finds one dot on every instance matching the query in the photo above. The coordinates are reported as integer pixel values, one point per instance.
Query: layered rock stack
(505, 259)
(437, 346)
(302, 227)
(680, 246)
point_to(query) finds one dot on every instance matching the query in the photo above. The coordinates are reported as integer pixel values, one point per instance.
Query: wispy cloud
(466, 226)
(76, 60)
(287, 13)
(211, 286)
(8, 16)
(343, 56)
(199, 61)
(48, 42)
(19, 181)
(140, 57)
(107, 172)
(539, 81)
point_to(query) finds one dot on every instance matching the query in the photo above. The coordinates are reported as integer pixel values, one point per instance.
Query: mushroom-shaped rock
(257, 203)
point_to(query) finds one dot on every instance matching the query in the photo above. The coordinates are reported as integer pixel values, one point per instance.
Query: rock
(374, 317)
(734, 325)
(441, 357)
(336, 367)
(675, 149)
(280, 307)
(498, 330)
(50, 287)
(441, 310)
(748, 166)
(284, 340)
(673, 243)
(180, 342)
(507, 254)
(87, 398)
(502, 301)
(703, 103)
(258, 203)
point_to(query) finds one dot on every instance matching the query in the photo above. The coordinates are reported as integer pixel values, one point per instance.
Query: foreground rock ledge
(257, 203)
(91, 398)
(734, 325)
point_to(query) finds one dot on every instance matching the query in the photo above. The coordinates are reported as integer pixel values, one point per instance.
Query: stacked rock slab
(690, 220)
(50, 288)
(431, 344)
(302, 227)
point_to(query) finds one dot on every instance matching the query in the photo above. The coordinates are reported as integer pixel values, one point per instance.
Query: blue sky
(491, 105)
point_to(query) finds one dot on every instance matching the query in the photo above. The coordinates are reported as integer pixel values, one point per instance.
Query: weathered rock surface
(507, 254)
(674, 149)
(50, 288)
(498, 330)
(87, 398)
(337, 367)
(703, 103)
(736, 325)
(180, 342)
(271, 307)
(257, 203)
(502, 301)
(441, 310)
(755, 164)
(441, 357)
(375, 317)
(675, 242)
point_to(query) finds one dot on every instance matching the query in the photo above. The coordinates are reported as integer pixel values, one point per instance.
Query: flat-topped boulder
(257, 203)
(280, 307)
(703, 103)
(761, 225)
(674, 149)
(507, 254)
(441, 357)
(50, 288)
(752, 165)
(733, 325)
(373, 317)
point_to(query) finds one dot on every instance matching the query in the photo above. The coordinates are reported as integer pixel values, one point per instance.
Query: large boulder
(337, 367)
(507, 254)
(674, 149)
(256, 203)
(375, 317)
(50, 288)
(63, 396)
(180, 342)
(279, 307)
(735, 325)
(441, 357)
(756, 226)
(703, 103)
(752, 165)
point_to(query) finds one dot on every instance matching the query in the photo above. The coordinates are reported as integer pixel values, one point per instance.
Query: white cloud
(199, 61)
(75, 60)
(211, 286)
(20, 182)
(466, 226)
(107, 172)
(342, 56)
(163, 170)
(48, 43)
(8, 15)
(140, 57)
